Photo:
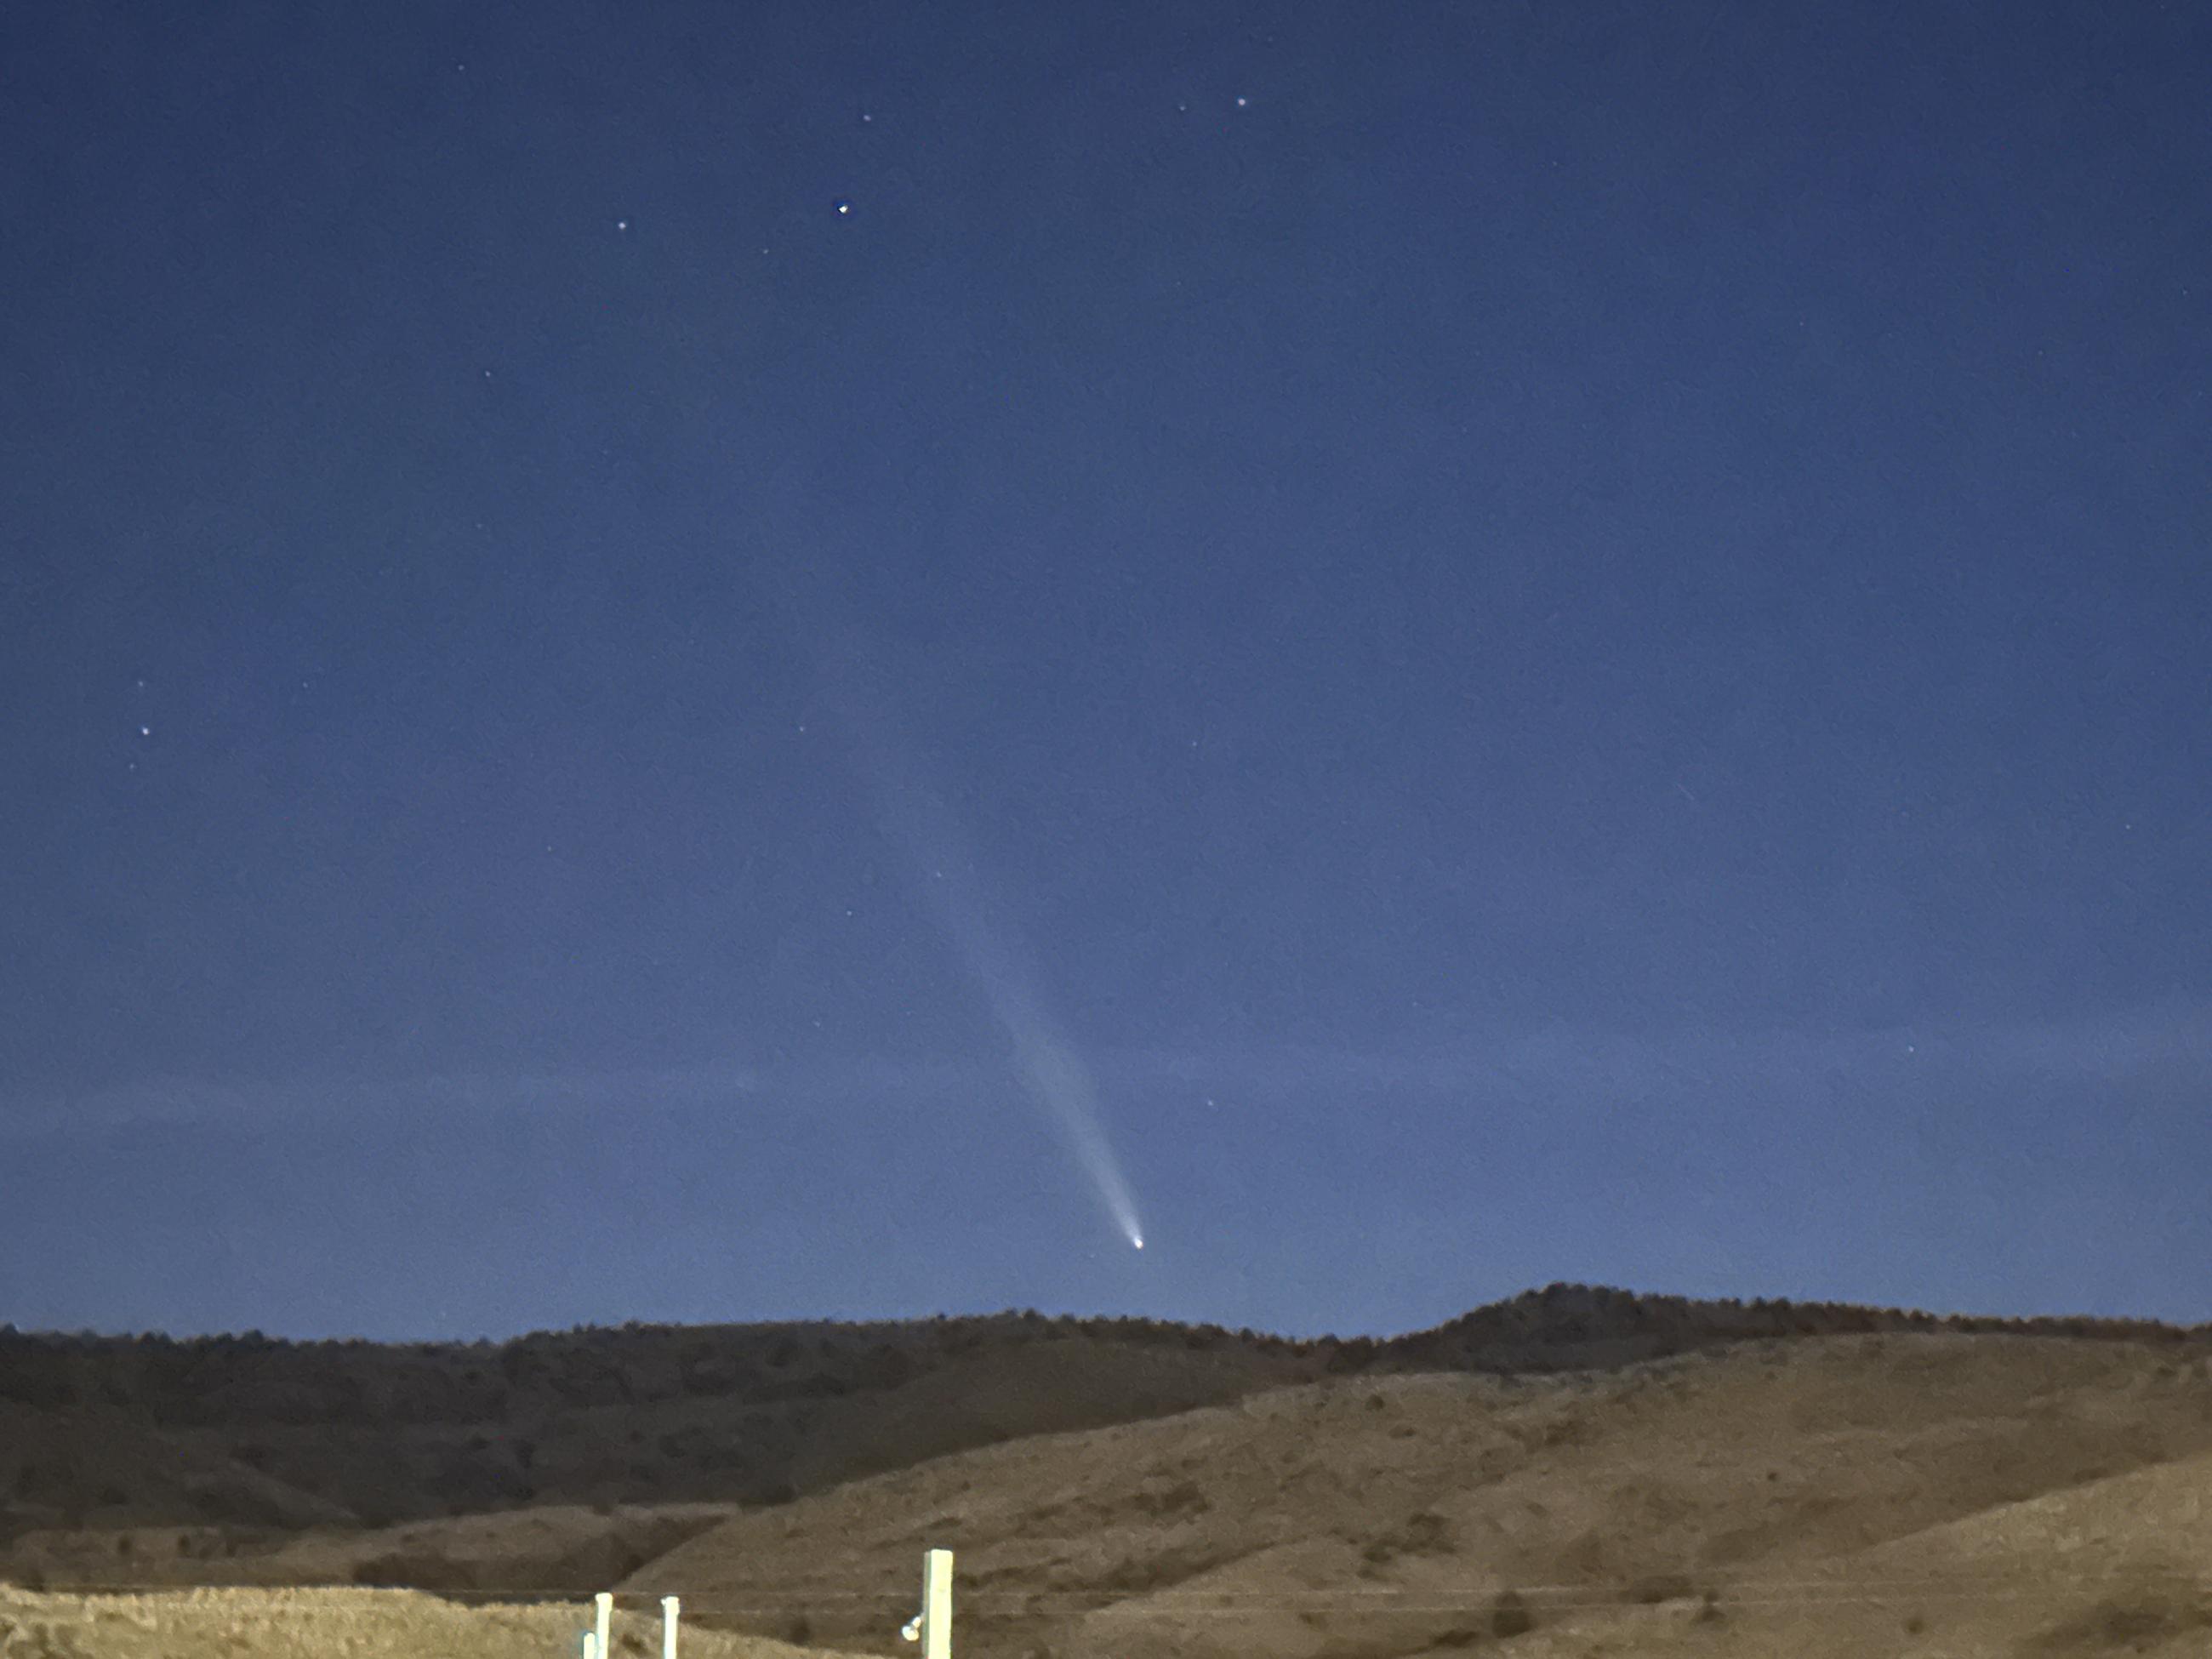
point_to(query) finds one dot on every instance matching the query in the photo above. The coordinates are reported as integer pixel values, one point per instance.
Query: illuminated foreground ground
(327, 1624)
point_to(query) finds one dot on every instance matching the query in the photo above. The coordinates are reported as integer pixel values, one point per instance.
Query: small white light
(1138, 1241)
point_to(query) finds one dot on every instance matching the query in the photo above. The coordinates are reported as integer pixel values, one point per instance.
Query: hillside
(1575, 1467)
(253, 1436)
(1930, 1483)
(250, 1434)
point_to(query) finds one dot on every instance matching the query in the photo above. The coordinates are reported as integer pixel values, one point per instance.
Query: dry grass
(243, 1623)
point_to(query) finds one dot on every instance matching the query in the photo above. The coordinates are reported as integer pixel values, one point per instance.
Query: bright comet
(918, 818)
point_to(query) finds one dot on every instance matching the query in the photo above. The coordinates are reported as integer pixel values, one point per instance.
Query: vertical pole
(669, 1606)
(604, 1601)
(937, 1605)
(591, 1645)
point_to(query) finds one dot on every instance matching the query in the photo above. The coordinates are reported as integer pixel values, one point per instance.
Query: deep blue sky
(1536, 641)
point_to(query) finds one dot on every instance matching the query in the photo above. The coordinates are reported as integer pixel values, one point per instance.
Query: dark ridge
(211, 1381)
(1582, 1326)
(274, 1430)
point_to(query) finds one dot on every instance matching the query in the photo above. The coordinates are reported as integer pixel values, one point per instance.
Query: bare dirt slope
(2117, 1566)
(1727, 1500)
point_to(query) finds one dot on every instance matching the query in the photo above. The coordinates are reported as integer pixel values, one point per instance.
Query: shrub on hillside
(1509, 1615)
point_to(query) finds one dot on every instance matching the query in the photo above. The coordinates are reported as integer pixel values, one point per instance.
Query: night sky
(693, 661)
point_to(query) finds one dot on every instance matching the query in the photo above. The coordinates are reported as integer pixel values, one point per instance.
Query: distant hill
(248, 1460)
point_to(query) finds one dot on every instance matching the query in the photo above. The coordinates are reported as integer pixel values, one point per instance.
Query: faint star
(621, 224)
(1242, 102)
(145, 730)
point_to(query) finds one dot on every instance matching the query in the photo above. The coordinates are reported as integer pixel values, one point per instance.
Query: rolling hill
(1576, 1471)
